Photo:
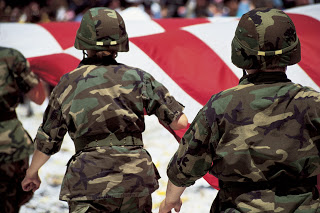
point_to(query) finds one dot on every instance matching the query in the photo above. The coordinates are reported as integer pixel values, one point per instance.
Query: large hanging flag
(191, 57)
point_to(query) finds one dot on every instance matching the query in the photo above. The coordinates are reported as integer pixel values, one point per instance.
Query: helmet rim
(102, 29)
(265, 38)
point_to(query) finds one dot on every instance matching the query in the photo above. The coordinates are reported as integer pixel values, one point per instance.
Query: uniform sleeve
(22, 73)
(52, 130)
(158, 101)
(193, 158)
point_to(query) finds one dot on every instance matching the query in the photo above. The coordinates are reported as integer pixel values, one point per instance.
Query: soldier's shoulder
(131, 70)
(307, 88)
(306, 92)
(233, 90)
(6, 51)
(128, 67)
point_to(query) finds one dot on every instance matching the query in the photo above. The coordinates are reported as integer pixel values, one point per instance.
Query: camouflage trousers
(113, 205)
(12, 197)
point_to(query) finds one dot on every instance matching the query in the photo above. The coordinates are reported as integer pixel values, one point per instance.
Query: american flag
(191, 57)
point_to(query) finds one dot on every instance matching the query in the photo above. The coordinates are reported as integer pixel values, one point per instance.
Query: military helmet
(265, 38)
(102, 28)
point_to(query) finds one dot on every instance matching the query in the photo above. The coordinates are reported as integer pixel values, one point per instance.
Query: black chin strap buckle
(85, 55)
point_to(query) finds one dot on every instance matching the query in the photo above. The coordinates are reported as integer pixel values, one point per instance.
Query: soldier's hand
(31, 182)
(166, 207)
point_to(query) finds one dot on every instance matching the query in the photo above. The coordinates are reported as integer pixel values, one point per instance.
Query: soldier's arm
(158, 101)
(180, 123)
(27, 81)
(194, 147)
(172, 200)
(32, 180)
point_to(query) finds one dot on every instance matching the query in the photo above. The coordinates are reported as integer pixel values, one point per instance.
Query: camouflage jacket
(265, 129)
(15, 78)
(100, 98)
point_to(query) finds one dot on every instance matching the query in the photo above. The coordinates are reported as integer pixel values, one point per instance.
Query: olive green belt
(119, 139)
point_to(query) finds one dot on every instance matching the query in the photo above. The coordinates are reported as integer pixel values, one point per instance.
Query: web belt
(119, 139)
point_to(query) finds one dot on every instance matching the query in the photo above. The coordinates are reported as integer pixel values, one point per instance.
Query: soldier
(261, 138)
(15, 143)
(101, 105)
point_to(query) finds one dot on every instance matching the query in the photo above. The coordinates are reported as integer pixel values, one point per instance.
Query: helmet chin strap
(244, 73)
(85, 55)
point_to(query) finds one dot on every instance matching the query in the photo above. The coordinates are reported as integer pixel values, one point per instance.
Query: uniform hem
(138, 194)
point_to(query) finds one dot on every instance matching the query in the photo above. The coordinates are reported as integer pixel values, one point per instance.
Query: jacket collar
(105, 61)
(264, 78)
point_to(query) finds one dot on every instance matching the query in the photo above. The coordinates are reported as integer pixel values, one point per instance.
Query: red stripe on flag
(63, 32)
(181, 132)
(50, 68)
(176, 23)
(212, 180)
(308, 30)
(195, 67)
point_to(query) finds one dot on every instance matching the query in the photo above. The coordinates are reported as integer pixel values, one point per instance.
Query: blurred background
(37, 11)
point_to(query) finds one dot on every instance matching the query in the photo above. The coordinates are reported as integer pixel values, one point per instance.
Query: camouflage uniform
(123, 205)
(15, 143)
(260, 131)
(102, 103)
(261, 139)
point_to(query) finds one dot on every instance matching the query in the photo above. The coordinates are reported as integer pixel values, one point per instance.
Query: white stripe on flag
(312, 10)
(296, 74)
(137, 58)
(74, 52)
(218, 40)
(136, 28)
(30, 39)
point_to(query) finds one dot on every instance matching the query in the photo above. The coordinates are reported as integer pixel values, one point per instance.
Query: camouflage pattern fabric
(265, 129)
(15, 78)
(123, 205)
(101, 97)
(102, 29)
(11, 193)
(264, 39)
(110, 172)
(15, 142)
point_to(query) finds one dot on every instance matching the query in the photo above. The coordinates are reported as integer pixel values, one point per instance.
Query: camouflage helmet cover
(102, 28)
(265, 38)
